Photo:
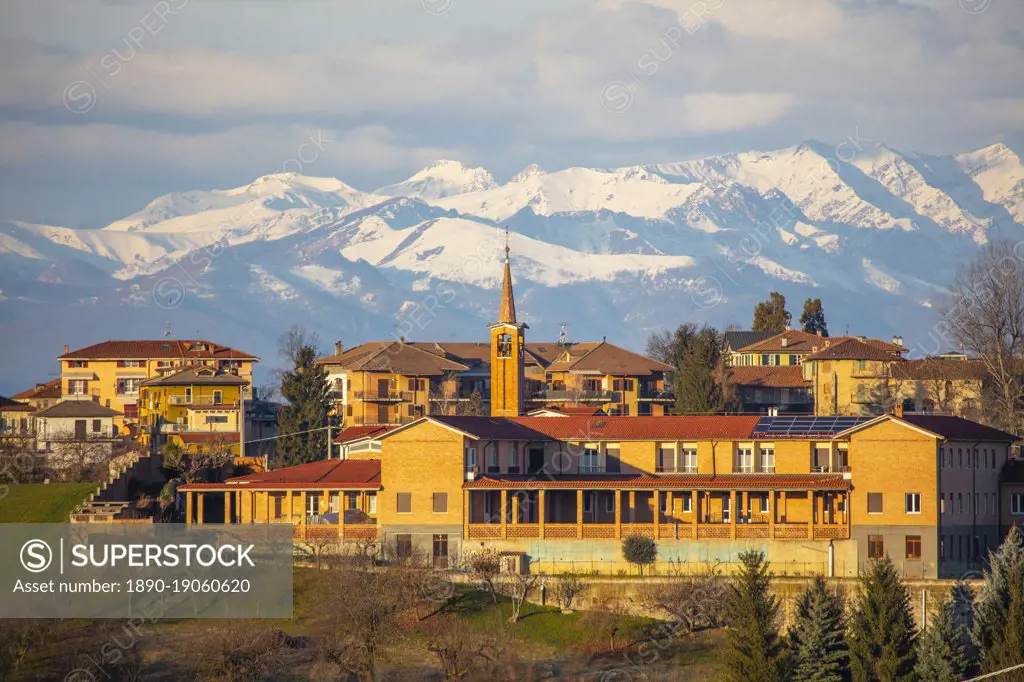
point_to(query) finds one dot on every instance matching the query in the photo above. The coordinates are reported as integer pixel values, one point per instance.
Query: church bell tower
(507, 347)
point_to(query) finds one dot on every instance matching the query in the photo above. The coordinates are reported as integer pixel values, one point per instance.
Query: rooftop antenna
(563, 333)
(167, 329)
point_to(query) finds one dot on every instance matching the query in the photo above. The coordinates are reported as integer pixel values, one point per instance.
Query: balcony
(179, 400)
(173, 428)
(577, 395)
(655, 394)
(389, 396)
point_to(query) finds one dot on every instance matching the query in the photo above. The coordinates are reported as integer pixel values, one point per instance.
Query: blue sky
(105, 104)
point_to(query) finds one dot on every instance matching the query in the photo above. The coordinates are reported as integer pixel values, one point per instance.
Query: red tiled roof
(571, 410)
(939, 369)
(164, 348)
(607, 358)
(796, 341)
(356, 432)
(642, 428)
(212, 437)
(684, 481)
(51, 389)
(786, 376)
(329, 473)
(848, 348)
(958, 428)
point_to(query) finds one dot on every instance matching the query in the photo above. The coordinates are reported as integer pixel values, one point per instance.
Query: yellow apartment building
(194, 408)
(850, 376)
(42, 395)
(111, 372)
(817, 494)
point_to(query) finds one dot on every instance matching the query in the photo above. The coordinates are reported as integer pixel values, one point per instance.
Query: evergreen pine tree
(755, 652)
(944, 650)
(771, 315)
(812, 319)
(882, 629)
(698, 389)
(817, 638)
(999, 607)
(307, 392)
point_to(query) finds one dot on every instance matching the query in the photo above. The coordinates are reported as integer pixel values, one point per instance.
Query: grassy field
(545, 644)
(42, 503)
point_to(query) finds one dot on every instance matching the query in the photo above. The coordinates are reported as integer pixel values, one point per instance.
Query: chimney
(66, 349)
(897, 340)
(862, 338)
(898, 409)
(339, 348)
(785, 342)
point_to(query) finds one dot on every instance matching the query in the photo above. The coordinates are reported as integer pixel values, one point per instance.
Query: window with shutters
(913, 547)
(876, 547)
(874, 503)
(403, 503)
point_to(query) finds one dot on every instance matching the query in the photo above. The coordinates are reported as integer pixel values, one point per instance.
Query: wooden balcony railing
(666, 530)
(331, 531)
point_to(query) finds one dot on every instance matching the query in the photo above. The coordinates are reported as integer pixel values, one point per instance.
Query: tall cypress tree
(812, 319)
(944, 650)
(817, 638)
(999, 607)
(697, 386)
(306, 390)
(755, 652)
(882, 630)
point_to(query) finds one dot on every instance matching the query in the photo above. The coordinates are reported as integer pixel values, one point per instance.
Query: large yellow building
(112, 371)
(817, 494)
(194, 408)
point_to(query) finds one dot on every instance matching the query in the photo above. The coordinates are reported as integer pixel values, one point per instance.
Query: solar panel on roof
(793, 427)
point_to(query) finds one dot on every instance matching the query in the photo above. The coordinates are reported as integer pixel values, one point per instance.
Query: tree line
(874, 638)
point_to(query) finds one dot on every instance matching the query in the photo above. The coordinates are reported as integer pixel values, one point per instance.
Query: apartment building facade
(112, 372)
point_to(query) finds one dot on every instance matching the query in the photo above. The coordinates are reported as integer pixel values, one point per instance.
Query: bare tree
(567, 588)
(485, 567)
(193, 465)
(444, 397)
(293, 340)
(80, 458)
(456, 647)
(241, 653)
(985, 315)
(697, 602)
(517, 587)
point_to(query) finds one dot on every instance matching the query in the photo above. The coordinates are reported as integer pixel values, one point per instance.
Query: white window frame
(747, 453)
(912, 503)
(766, 459)
(590, 460)
(688, 460)
(727, 509)
(688, 503)
(764, 503)
(470, 453)
(78, 387)
(1017, 504)
(371, 503)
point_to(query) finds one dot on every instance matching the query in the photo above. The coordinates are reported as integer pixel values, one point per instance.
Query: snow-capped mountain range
(875, 233)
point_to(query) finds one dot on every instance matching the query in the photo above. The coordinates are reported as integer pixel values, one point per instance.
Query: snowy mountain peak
(442, 178)
(531, 171)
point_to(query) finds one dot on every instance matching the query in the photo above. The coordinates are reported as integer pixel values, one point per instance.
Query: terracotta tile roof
(849, 348)
(939, 368)
(786, 376)
(397, 357)
(164, 348)
(958, 428)
(607, 358)
(77, 408)
(51, 389)
(683, 481)
(8, 405)
(351, 433)
(197, 375)
(643, 428)
(796, 341)
(209, 437)
(571, 410)
(342, 474)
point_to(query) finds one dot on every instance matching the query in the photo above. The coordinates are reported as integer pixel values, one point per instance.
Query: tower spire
(507, 314)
